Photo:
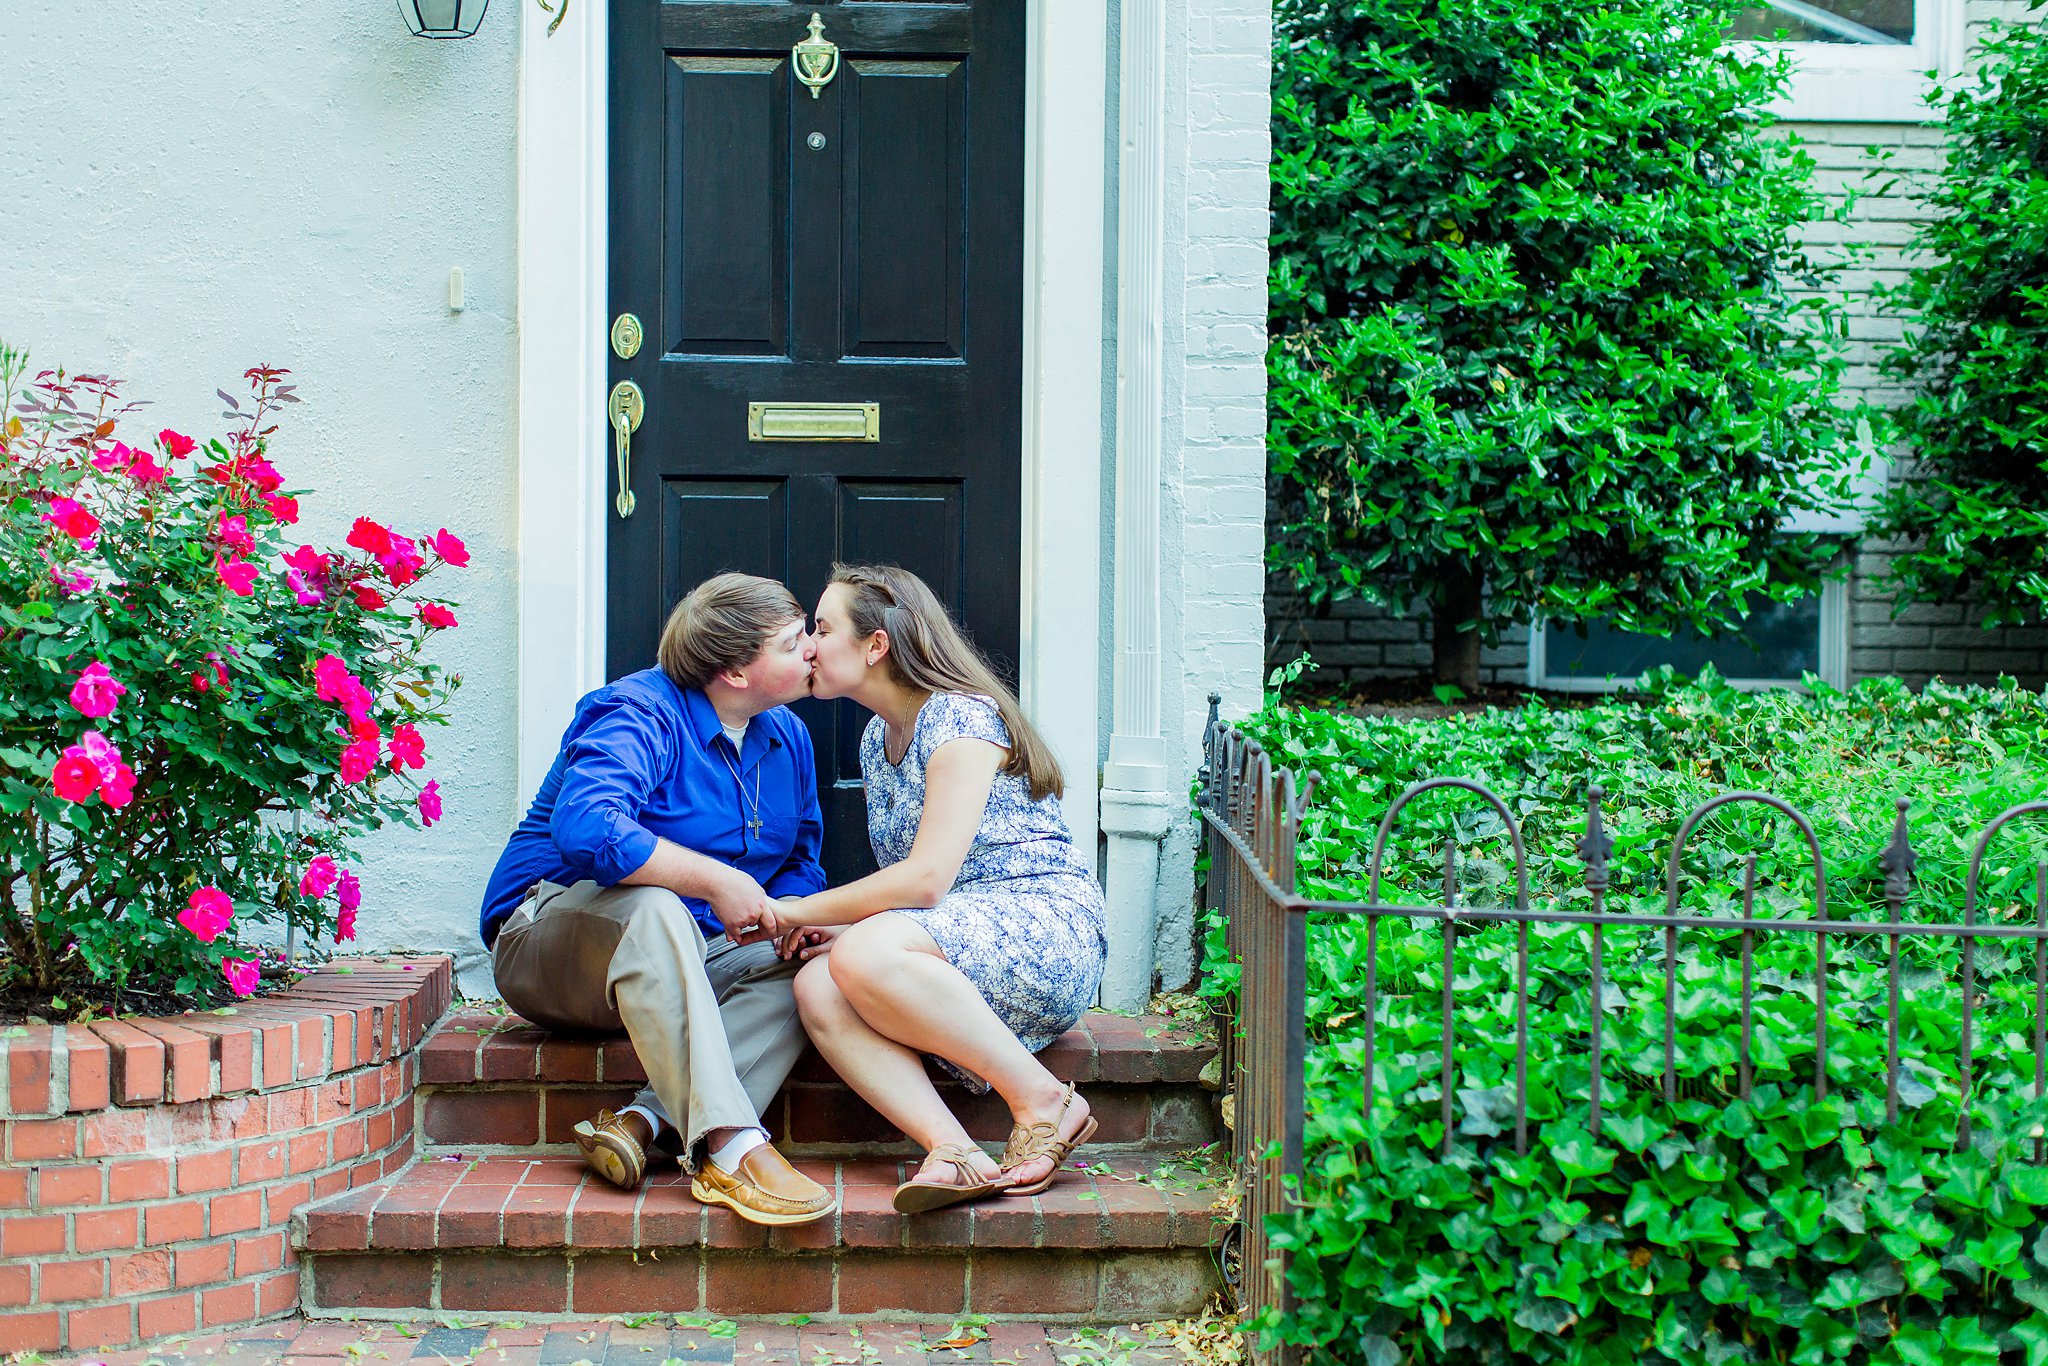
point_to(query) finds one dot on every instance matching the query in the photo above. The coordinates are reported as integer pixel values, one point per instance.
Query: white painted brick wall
(1212, 535)
(1357, 640)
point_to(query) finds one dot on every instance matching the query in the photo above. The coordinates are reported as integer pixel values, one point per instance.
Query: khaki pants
(715, 1026)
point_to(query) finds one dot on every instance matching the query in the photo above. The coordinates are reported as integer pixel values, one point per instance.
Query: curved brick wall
(149, 1169)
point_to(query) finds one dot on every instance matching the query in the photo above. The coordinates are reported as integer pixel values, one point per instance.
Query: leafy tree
(1976, 515)
(1542, 337)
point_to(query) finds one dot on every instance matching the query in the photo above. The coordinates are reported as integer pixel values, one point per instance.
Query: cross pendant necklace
(751, 817)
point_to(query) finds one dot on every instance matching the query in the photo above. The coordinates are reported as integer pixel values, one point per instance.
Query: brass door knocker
(816, 58)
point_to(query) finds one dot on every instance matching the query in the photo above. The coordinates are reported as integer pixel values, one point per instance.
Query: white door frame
(564, 458)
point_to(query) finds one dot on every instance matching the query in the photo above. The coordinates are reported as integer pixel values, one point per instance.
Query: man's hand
(746, 911)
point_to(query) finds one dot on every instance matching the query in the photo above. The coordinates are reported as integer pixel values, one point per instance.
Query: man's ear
(736, 679)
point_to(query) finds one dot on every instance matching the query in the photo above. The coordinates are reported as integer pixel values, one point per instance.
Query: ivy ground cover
(1786, 1227)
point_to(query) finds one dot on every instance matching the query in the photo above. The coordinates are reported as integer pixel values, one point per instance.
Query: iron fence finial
(1597, 845)
(1898, 859)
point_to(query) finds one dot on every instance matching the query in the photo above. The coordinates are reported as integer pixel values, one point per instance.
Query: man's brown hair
(722, 624)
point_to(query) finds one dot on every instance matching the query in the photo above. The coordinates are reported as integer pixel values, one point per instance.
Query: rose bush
(198, 713)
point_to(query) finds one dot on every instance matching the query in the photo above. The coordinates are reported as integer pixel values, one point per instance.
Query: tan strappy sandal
(1029, 1141)
(915, 1196)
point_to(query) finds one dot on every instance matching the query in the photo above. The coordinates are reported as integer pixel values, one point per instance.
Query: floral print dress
(1024, 920)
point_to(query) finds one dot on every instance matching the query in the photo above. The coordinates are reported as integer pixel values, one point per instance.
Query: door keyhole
(816, 142)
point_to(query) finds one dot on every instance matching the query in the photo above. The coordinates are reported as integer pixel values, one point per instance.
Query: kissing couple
(666, 881)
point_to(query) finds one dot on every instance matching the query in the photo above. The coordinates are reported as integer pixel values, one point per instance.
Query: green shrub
(199, 716)
(1976, 514)
(1781, 1229)
(1542, 338)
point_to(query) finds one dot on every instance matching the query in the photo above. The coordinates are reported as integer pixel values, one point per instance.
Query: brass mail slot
(814, 422)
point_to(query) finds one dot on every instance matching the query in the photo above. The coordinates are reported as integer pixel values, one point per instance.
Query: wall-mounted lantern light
(442, 18)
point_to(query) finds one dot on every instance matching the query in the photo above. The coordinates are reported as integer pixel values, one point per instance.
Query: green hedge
(1781, 1229)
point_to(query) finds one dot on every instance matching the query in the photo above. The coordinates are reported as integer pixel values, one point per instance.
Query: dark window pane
(1882, 22)
(1778, 640)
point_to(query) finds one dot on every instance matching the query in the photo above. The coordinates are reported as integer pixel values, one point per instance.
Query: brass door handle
(628, 405)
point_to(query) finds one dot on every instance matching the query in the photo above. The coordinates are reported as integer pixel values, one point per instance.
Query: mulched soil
(652, 1339)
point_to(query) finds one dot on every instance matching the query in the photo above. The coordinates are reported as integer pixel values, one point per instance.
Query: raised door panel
(905, 239)
(916, 526)
(711, 525)
(727, 206)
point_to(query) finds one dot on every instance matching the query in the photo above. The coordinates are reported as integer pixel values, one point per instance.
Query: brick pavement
(650, 1340)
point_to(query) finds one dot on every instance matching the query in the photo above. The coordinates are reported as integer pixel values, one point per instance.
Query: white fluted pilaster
(1136, 807)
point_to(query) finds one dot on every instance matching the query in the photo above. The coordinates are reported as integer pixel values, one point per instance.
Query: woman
(980, 940)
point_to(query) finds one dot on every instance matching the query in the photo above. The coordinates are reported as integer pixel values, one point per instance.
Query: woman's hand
(809, 941)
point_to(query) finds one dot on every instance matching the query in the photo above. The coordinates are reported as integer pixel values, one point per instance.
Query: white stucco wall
(191, 189)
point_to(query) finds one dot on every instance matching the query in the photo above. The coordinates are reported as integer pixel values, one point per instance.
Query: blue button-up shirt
(644, 759)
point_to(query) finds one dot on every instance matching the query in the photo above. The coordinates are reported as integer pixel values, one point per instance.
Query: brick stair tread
(449, 1205)
(470, 1047)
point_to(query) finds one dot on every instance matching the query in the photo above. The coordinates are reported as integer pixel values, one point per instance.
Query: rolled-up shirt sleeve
(612, 763)
(801, 873)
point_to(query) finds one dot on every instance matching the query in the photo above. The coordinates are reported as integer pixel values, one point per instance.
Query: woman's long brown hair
(926, 650)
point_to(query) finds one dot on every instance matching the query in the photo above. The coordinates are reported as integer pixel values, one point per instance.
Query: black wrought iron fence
(1252, 810)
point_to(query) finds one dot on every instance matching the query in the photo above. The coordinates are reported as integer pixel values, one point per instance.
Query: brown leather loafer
(765, 1190)
(610, 1150)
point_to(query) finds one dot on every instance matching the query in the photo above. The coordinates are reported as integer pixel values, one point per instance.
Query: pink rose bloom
(238, 575)
(449, 547)
(430, 803)
(69, 516)
(76, 776)
(99, 749)
(345, 924)
(144, 470)
(329, 672)
(233, 533)
(111, 458)
(407, 749)
(370, 537)
(117, 788)
(436, 616)
(241, 974)
(309, 562)
(283, 507)
(96, 692)
(348, 893)
(207, 913)
(367, 598)
(319, 877)
(332, 682)
(358, 760)
(260, 472)
(176, 443)
(308, 594)
(355, 701)
(402, 561)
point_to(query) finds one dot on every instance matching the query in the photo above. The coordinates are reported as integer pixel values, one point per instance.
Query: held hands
(746, 911)
(806, 942)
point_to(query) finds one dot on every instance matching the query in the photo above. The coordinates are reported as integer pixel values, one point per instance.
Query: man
(640, 886)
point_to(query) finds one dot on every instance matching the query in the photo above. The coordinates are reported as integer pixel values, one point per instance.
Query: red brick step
(494, 1083)
(1117, 1242)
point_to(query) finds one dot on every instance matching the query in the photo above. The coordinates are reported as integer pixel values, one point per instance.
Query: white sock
(728, 1158)
(655, 1123)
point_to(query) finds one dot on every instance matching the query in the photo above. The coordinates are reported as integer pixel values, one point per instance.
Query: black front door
(842, 263)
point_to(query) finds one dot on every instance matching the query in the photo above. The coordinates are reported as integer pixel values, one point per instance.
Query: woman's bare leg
(886, 1074)
(892, 974)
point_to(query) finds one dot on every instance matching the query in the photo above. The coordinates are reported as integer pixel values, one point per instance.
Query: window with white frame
(1858, 61)
(1776, 644)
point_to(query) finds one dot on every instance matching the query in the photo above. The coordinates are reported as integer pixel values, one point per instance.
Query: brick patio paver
(644, 1340)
